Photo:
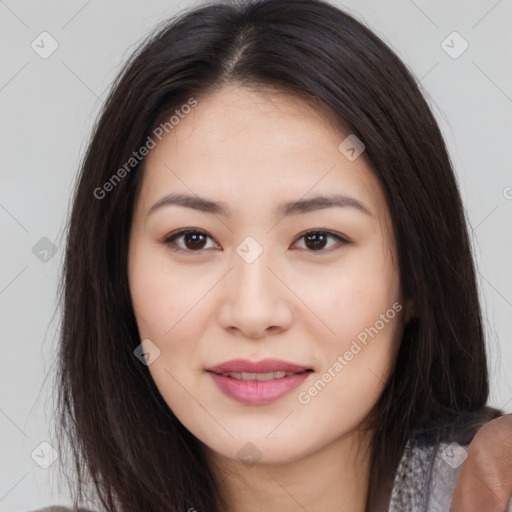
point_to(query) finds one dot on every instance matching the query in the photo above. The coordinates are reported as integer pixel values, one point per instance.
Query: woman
(217, 352)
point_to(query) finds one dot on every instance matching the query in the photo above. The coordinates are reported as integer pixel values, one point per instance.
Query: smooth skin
(253, 151)
(300, 302)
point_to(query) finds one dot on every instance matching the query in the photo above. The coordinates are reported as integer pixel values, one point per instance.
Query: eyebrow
(300, 206)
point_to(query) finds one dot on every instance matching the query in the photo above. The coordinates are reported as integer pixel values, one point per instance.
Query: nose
(256, 302)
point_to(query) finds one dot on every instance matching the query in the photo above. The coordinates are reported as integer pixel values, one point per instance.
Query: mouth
(260, 377)
(241, 381)
(244, 366)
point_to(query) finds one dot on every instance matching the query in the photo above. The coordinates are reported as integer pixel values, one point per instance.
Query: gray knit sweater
(426, 476)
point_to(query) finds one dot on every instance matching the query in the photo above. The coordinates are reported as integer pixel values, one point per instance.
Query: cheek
(167, 306)
(363, 307)
(357, 295)
(367, 320)
(173, 308)
(169, 311)
(159, 294)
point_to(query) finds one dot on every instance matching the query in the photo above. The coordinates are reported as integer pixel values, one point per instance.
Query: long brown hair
(124, 439)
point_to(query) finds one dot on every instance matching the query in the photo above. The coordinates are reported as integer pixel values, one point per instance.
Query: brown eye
(196, 240)
(193, 241)
(316, 241)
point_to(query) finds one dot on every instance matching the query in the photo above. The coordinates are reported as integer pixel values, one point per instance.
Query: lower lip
(258, 392)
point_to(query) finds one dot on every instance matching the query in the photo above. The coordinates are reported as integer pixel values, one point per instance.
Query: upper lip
(263, 366)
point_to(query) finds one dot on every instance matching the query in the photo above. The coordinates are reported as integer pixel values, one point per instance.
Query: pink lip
(264, 366)
(253, 391)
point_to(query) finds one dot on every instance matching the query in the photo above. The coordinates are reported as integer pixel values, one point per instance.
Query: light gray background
(47, 110)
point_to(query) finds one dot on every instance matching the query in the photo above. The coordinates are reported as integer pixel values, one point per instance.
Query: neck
(335, 477)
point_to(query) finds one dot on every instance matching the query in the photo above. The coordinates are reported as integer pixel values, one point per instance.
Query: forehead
(254, 149)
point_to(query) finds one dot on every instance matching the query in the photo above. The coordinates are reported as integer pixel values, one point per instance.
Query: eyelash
(170, 239)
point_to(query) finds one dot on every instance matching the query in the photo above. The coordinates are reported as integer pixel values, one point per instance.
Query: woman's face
(264, 281)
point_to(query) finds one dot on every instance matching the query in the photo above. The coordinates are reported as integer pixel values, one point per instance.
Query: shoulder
(427, 472)
(426, 476)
